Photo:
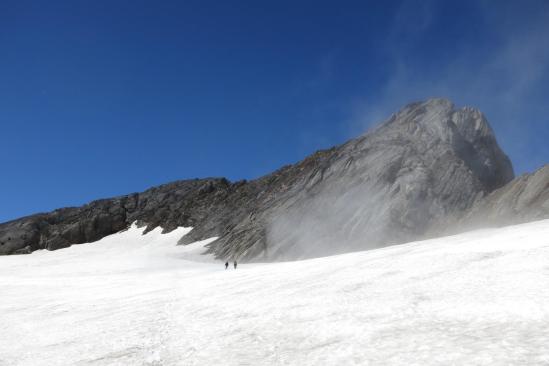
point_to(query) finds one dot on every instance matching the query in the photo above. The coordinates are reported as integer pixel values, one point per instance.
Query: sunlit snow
(480, 298)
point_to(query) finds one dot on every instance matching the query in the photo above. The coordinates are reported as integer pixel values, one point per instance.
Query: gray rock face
(524, 199)
(428, 162)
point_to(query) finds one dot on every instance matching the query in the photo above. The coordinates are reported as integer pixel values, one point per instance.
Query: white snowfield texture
(480, 298)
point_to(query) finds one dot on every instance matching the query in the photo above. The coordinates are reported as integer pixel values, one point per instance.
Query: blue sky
(102, 98)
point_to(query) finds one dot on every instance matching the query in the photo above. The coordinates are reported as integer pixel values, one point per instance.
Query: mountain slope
(478, 298)
(427, 162)
(524, 199)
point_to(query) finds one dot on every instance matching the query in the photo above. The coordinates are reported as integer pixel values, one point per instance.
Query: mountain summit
(426, 162)
(426, 165)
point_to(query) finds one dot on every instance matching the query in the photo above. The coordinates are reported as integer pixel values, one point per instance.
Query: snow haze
(479, 298)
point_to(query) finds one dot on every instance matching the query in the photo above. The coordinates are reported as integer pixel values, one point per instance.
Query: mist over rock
(524, 199)
(427, 163)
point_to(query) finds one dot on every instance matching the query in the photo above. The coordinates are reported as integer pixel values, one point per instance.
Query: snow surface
(480, 298)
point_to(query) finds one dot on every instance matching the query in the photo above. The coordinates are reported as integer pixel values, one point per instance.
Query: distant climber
(235, 264)
(226, 264)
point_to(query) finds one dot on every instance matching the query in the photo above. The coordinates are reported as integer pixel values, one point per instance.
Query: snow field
(479, 298)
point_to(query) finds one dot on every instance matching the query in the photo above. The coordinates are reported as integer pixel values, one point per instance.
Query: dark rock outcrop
(428, 162)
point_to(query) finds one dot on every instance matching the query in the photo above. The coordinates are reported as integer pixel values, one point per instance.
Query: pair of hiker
(227, 264)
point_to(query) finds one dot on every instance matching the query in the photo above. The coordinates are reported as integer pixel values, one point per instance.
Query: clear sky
(102, 98)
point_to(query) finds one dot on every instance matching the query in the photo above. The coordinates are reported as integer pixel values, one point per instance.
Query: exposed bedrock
(428, 163)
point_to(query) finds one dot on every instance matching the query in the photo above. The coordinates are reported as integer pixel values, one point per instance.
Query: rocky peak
(465, 131)
(430, 116)
(472, 124)
(427, 162)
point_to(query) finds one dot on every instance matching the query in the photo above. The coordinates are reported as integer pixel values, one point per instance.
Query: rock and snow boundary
(479, 298)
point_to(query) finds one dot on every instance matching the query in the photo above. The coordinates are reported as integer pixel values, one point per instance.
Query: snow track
(479, 298)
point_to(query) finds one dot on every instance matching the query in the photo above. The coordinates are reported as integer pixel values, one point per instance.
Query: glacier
(477, 298)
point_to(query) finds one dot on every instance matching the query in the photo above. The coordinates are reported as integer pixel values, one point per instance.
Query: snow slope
(480, 298)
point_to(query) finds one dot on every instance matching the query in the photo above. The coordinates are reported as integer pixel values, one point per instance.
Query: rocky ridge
(425, 165)
(524, 199)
